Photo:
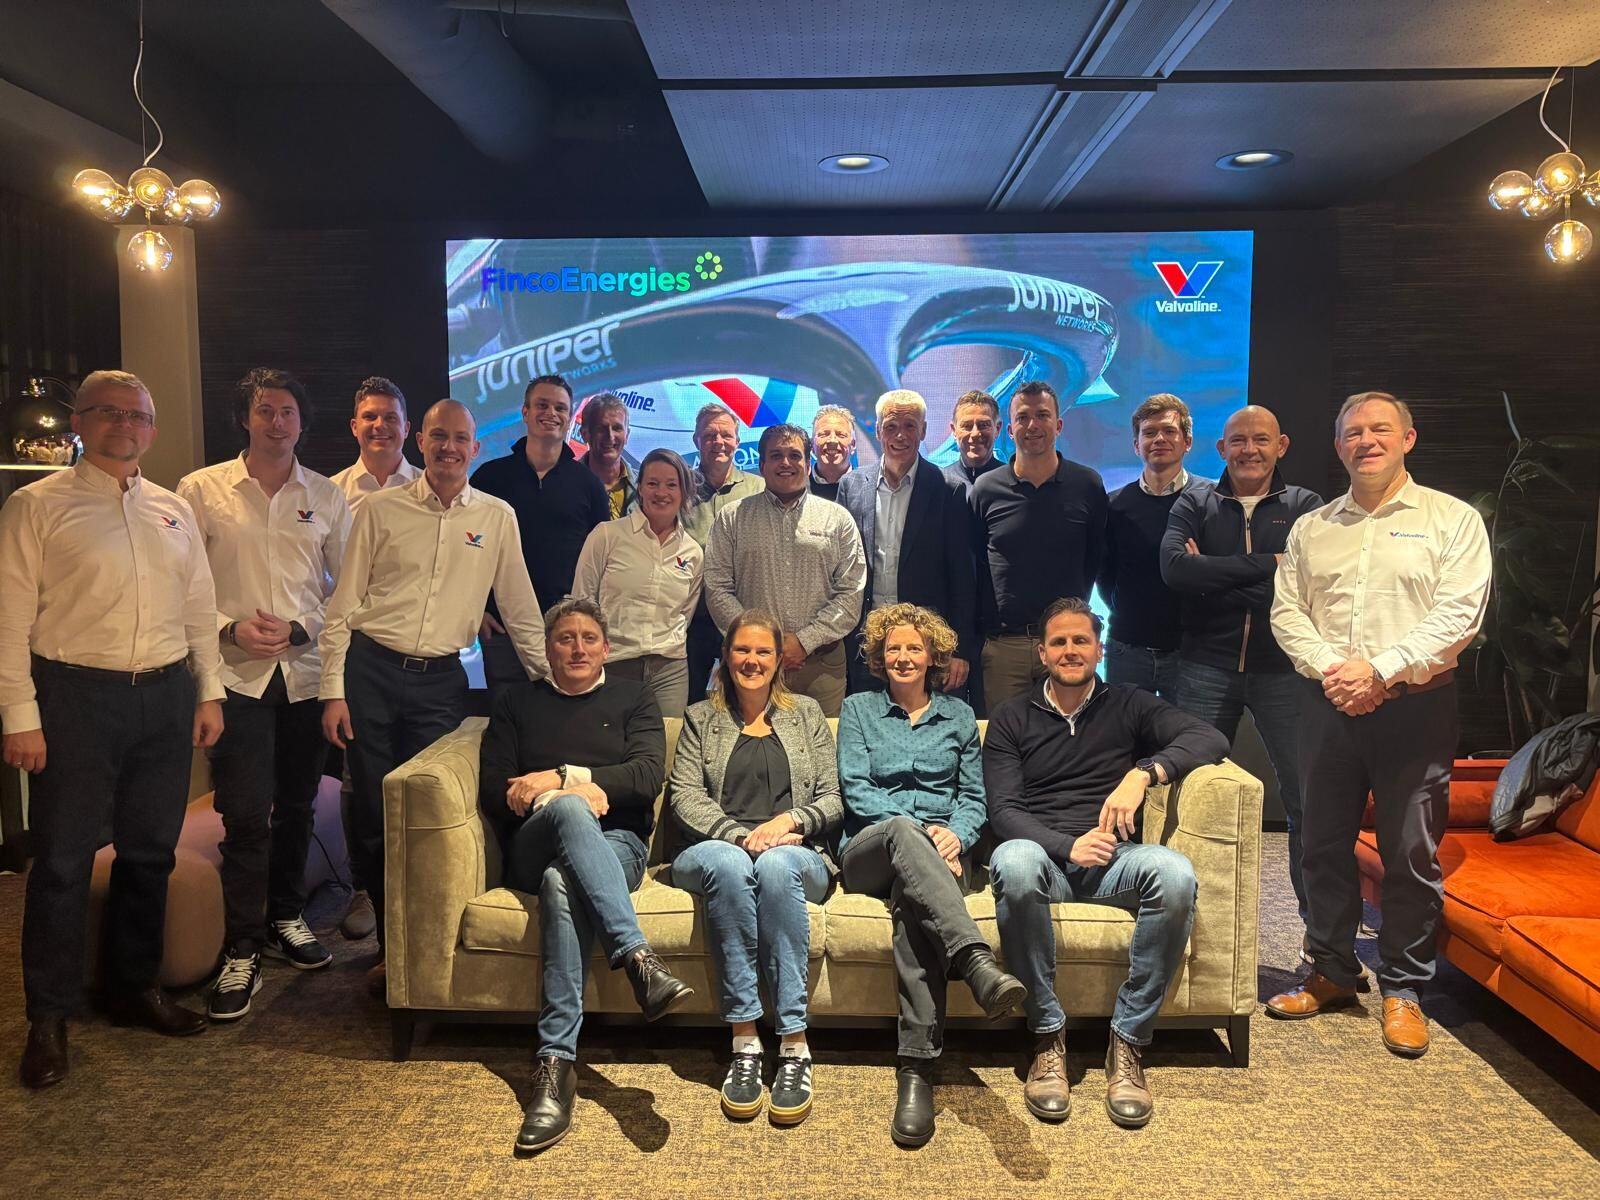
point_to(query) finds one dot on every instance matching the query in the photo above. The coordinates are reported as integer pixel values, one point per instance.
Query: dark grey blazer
(700, 764)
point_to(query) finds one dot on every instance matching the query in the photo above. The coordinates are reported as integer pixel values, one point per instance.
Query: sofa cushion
(1561, 957)
(670, 919)
(1487, 882)
(1581, 821)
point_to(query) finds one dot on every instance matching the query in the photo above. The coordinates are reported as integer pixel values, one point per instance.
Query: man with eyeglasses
(109, 677)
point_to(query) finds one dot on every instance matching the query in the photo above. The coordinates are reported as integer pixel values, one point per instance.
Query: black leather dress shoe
(913, 1106)
(44, 1060)
(656, 989)
(548, 1116)
(151, 1009)
(996, 992)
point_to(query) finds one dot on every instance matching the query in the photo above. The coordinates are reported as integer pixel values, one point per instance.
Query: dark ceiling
(653, 110)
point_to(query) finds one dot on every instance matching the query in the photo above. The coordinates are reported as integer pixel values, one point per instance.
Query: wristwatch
(1148, 766)
(561, 773)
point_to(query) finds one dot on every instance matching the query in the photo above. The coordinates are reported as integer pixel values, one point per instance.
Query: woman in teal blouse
(911, 769)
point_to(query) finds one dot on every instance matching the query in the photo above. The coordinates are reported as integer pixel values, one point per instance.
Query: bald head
(449, 442)
(441, 410)
(1251, 445)
(1252, 417)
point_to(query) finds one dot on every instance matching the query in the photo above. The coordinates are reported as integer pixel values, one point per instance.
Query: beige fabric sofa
(461, 947)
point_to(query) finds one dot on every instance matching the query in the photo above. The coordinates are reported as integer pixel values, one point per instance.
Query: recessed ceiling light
(1251, 160)
(853, 164)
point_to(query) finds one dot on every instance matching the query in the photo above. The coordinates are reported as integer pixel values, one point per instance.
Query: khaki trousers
(821, 678)
(1011, 667)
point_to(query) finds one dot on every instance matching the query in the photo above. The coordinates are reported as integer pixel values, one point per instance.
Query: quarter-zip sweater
(1048, 775)
(1226, 589)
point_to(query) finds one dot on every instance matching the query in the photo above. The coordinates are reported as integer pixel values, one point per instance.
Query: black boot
(913, 1106)
(654, 987)
(44, 1059)
(549, 1113)
(996, 992)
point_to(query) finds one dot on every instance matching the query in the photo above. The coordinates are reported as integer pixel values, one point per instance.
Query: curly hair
(936, 634)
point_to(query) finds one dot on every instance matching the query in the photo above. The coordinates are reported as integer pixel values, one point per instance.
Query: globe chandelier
(149, 190)
(1551, 190)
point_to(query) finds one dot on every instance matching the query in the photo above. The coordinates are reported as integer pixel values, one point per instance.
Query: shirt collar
(787, 508)
(703, 486)
(1177, 484)
(423, 491)
(239, 471)
(1409, 496)
(972, 473)
(561, 691)
(908, 480)
(1048, 701)
(405, 472)
(103, 481)
(938, 705)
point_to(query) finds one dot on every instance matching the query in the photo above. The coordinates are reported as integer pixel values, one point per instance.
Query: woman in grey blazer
(755, 786)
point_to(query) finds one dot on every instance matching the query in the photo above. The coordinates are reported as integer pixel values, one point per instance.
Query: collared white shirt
(647, 589)
(96, 576)
(357, 483)
(1174, 485)
(280, 554)
(1403, 587)
(417, 575)
(890, 505)
(1071, 717)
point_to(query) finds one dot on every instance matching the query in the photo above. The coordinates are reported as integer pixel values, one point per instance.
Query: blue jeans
(1153, 670)
(583, 876)
(1219, 697)
(760, 931)
(1154, 883)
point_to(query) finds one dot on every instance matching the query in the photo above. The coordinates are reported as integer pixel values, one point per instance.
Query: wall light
(853, 164)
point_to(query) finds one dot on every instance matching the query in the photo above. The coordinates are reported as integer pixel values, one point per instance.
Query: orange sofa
(1520, 917)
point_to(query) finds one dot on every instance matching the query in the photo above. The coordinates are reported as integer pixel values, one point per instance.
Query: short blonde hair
(901, 398)
(935, 632)
(104, 379)
(1360, 398)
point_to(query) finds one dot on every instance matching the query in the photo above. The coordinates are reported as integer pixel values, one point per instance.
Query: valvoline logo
(1187, 285)
(307, 516)
(475, 540)
(170, 523)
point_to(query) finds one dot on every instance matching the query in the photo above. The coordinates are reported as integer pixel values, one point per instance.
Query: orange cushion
(1487, 882)
(1561, 957)
(1581, 821)
(1472, 783)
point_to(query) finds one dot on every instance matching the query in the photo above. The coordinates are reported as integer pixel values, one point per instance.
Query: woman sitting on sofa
(755, 787)
(912, 771)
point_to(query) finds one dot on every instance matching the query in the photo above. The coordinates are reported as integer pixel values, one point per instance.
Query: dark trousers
(704, 645)
(114, 755)
(895, 860)
(396, 714)
(266, 768)
(858, 676)
(1402, 753)
(501, 666)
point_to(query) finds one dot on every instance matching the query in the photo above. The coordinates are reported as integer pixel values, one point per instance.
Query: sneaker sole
(272, 952)
(744, 1112)
(1049, 1118)
(1128, 1123)
(222, 1018)
(789, 1116)
(1007, 1002)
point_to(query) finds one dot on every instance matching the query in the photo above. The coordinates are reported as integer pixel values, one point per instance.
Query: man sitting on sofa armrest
(1066, 766)
(570, 769)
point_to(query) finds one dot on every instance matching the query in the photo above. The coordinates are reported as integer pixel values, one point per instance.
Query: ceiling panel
(1305, 35)
(1344, 136)
(735, 39)
(945, 146)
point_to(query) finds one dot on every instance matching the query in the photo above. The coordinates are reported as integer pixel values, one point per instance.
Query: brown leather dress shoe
(1405, 1029)
(1047, 1093)
(44, 1060)
(151, 1009)
(378, 980)
(1316, 993)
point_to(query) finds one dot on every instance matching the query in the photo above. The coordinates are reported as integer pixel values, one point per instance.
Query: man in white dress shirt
(1376, 595)
(108, 679)
(416, 576)
(275, 534)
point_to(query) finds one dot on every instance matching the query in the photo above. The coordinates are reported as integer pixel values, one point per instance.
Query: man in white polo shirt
(1376, 595)
(416, 576)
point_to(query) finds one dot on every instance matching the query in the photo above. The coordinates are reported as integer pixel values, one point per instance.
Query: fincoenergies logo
(707, 266)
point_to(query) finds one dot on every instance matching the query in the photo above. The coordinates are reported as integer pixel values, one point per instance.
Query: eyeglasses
(119, 416)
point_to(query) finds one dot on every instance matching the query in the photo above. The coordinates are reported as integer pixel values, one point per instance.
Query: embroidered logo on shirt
(475, 540)
(306, 515)
(1421, 537)
(170, 523)
(681, 563)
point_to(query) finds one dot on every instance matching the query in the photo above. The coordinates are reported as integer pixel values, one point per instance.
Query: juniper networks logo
(1188, 285)
(575, 279)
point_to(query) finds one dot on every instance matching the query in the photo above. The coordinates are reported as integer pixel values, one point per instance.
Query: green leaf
(1554, 476)
(1570, 441)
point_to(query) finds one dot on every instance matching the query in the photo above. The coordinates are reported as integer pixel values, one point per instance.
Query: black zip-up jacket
(1227, 588)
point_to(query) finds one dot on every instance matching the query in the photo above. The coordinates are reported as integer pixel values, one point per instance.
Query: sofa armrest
(435, 863)
(1213, 818)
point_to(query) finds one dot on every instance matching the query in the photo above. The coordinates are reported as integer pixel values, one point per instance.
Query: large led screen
(773, 327)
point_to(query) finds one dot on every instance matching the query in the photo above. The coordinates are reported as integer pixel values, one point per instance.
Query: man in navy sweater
(1142, 648)
(1220, 553)
(1066, 766)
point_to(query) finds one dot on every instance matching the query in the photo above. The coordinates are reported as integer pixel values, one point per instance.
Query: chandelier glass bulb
(1591, 190)
(176, 213)
(1559, 175)
(1509, 189)
(149, 251)
(1568, 241)
(199, 199)
(1534, 206)
(101, 195)
(152, 188)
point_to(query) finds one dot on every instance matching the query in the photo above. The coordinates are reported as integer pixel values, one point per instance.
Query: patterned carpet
(301, 1099)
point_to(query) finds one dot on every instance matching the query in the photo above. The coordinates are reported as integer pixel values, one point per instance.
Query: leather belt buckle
(418, 665)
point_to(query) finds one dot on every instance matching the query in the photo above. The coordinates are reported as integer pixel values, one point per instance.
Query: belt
(1427, 685)
(1016, 631)
(406, 662)
(116, 678)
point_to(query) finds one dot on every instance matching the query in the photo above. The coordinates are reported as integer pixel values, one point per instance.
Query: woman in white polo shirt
(643, 570)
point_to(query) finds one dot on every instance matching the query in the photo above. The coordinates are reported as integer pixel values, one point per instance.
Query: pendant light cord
(138, 94)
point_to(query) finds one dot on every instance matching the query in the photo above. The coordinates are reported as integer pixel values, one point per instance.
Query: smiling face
(753, 659)
(784, 468)
(660, 496)
(449, 443)
(607, 433)
(1161, 442)
(833, 441)
(577, 649)
(900, 433)
(1251, 445)
(1070, 651)
(1035, 425)
(380, 426)
(975, 429)
(547, 412)
(1373, 443)
(717, 440)
(273, 422)
(905, 657)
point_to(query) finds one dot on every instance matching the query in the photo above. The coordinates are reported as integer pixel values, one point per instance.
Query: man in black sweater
(569, 772)
(1220, 553)
(1066, 766)
(1142, 644)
